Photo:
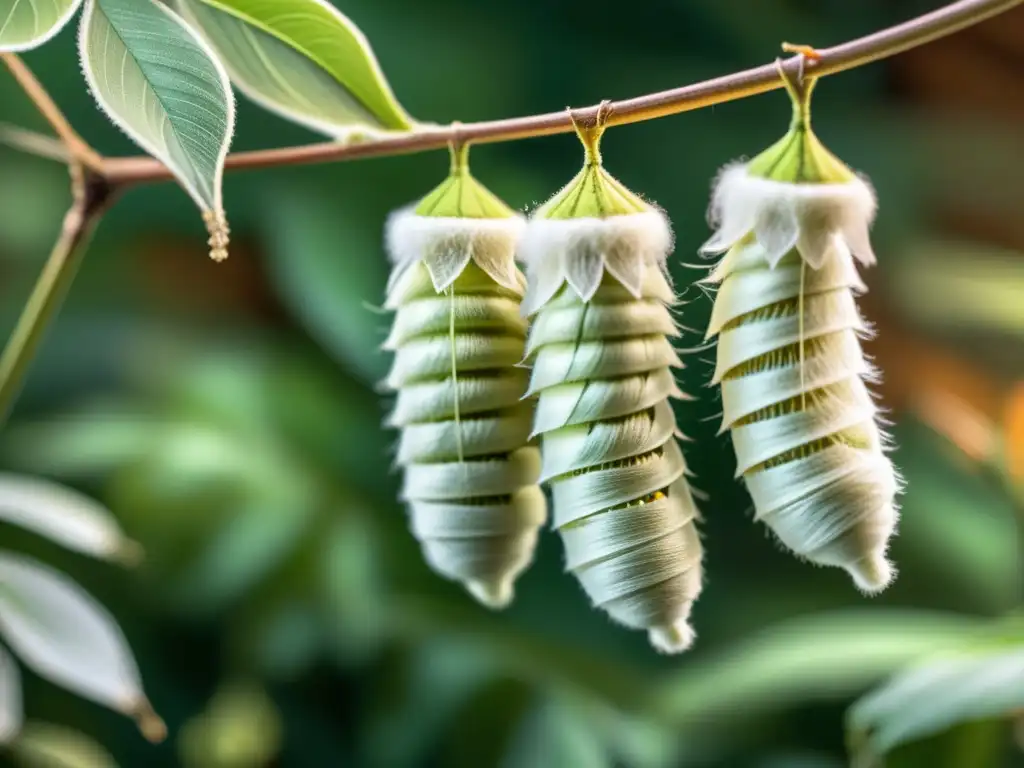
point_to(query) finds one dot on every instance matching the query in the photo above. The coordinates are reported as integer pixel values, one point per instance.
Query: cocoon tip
(672, 638)
(872, 574)
(495, 594)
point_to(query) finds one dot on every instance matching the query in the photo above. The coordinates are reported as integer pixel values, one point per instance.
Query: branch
(750, 82)
(92, 196)
(33, 143)
(77, 148)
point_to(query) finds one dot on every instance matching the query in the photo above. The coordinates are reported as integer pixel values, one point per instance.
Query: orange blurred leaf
(1013, 423)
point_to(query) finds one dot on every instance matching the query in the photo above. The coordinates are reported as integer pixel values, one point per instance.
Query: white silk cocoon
(602, 364)
(792, 371)
(470, 474)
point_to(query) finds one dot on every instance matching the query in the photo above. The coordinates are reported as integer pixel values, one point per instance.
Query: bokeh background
(227, 412)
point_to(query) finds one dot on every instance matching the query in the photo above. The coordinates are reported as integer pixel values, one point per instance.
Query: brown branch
(864, 50)
(77, 148)
(33, 143)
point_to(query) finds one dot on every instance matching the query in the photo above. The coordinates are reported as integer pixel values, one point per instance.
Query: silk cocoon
(793, 375)
(602, 368)
(470, 474)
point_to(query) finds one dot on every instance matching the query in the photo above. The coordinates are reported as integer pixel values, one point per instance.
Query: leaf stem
(92, 195)
(888, 42)
(76, 146)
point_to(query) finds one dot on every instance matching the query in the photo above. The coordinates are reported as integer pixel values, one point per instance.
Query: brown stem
(76, 145)
(888, 42)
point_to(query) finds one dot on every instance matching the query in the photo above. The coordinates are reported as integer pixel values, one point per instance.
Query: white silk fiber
(445, 245)
(813, 218)
(580, 252)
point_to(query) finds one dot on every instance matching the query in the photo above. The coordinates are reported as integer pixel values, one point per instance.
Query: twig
(855, 53)
(91, 198)
(33, 143)
(76, 146)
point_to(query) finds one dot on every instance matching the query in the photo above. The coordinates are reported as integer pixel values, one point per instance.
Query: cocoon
(470, 472)
(600, 347)
(793, 224)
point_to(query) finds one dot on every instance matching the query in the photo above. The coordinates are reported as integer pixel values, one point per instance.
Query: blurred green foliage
(228, 415)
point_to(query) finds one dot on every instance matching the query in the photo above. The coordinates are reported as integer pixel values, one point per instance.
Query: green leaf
(558, 733)
(161, 85)
(828, 655)
(27, 24)
(303, 60)
(246, 549)
(934, 696)
(980, 742)
(43, 745)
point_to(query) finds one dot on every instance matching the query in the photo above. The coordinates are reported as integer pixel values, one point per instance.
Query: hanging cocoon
(793, 225)
(600, 347)
(470, 472)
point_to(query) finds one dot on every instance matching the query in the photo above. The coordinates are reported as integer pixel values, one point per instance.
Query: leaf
(929, 698)
(43, 745)
(67, 517)
(303, 60)
(828, 655)
(27, 24)
(159, 83)
(980, 742)
(10, 698)
(69, 638)
(557, 733)
(327, 271)
(246, 549)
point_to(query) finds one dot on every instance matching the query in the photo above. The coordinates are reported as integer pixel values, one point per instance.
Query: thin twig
(855, 53)
(33, 143)
(76, 145)
(92, 195)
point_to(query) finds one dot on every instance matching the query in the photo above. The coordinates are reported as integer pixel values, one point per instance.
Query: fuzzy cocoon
(446, 245)
(580, 252)
(818, 220)
(602, 369)
(470, 473)
(804, 426)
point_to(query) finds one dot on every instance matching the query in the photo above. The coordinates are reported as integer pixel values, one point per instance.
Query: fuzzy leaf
(930, 698)
(27, 24)
(303, 60)
(67, 517)
(162, 86)
(66, 636)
